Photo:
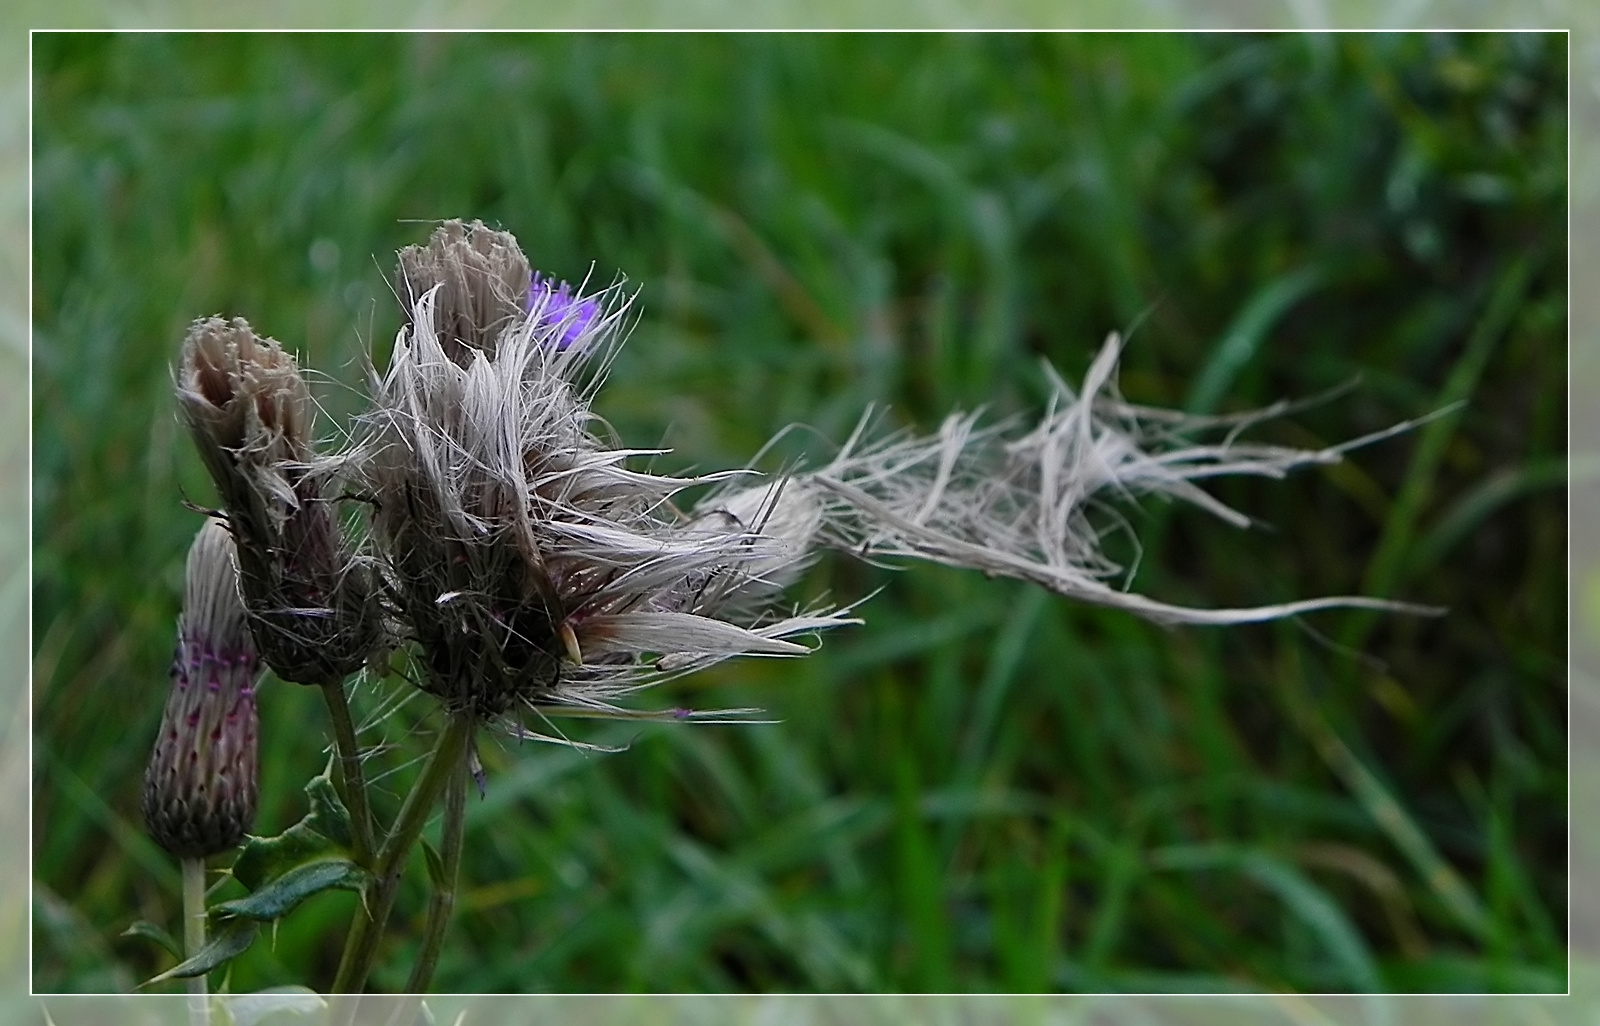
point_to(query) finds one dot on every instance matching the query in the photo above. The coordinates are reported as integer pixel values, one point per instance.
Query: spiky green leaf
(275, 899)
(323, 834)
(229, 941)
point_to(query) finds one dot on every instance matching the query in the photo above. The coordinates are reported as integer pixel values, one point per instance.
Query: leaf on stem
(436, 872)
(151, 932)
(231, 939)
(324, 834)
(276, 898)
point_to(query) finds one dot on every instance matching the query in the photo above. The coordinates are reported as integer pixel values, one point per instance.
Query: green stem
(194, 936)
(444, 888)
(352, 782)
(361, 947)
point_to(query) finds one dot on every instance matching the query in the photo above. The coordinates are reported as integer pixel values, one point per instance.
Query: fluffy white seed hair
(1016, 503)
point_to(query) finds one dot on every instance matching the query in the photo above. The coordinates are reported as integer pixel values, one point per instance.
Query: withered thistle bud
(200, 785)
(483, 281)
(251, 415)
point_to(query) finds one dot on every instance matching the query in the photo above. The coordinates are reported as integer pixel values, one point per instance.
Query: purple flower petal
(561, 308)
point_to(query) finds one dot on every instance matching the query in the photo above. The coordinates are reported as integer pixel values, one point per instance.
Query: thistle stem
(352, 782)
(443, 901)
(194, 936)
(361, 947)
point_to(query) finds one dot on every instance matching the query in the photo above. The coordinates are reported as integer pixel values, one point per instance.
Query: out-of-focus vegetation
(985, 788)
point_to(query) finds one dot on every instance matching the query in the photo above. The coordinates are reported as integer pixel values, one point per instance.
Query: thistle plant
(200, 784)
(311, 602)
(514, 548)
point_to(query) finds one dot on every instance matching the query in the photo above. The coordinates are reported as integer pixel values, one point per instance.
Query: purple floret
(561, 308)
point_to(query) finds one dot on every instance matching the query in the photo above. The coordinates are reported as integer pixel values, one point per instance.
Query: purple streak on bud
(557, 307)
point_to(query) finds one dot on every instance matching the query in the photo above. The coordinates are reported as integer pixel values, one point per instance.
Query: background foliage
(985, 788)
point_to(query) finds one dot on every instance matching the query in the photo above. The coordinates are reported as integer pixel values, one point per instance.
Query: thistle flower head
(251, 417)
(200, 784)
(533, 566)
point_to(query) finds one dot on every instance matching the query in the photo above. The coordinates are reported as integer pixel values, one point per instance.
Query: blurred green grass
(985, 788)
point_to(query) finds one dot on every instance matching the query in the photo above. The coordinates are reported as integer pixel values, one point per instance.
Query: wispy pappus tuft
(251, 417)
(534, 568)
(1011, 500)
(200, 784)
